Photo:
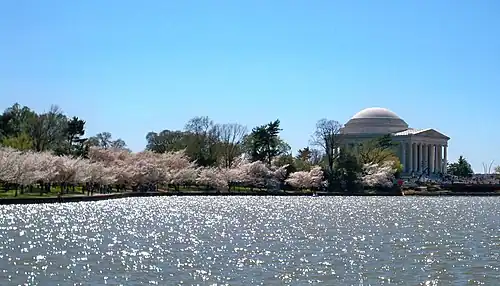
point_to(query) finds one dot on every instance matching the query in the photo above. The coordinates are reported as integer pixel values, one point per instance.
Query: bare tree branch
(231, 136)
(327, 137)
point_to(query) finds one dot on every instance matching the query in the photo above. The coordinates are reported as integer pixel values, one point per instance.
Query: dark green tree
(345, 175)
(15, 120)
(74, 130)
(22, 128)
(166, 141)
(304, 154)
(264, 144)
(378, 150)
(308, 157)
(461, 168)
(287, 160)
(385, 142)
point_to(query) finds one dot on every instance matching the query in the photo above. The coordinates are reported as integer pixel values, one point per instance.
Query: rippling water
(253, 241)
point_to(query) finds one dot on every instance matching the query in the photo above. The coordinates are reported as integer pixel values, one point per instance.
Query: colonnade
(418, 157)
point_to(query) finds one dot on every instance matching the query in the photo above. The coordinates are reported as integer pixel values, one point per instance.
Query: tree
(92, 142)
(166, 141)
(304, 154)
(203, 138)
(105, 140)
(327, 137)
(288, 162)
(264, 144)
(497, 170)
(47, 130)
(346, 175)
(212, 178)
(231, 138)
(307, 157)
(385, 142)
(487, 168)
(74, 130)
(312, 179)
(21, 142)
(378, 151)
(118, 144)
(461, 168)
(15, 120)
(378, 175)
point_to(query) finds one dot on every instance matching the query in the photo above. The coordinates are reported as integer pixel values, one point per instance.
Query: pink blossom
(375, 175)
(306, 180)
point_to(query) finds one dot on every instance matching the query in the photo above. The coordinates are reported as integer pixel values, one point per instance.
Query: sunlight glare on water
(253, 241)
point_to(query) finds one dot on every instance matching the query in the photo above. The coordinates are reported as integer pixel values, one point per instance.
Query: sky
(131, 67)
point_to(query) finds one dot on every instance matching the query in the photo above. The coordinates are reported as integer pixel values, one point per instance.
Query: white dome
(374, 120)
(376, 112)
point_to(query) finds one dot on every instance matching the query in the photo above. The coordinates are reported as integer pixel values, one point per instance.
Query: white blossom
(375, 175)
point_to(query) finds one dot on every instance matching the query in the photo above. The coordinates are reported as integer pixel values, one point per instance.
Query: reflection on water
(253, 241)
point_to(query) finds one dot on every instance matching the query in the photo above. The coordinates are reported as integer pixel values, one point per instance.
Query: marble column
(424, 157)
(435, 158)
(431, 158)
(445, 159)
(403, 155)
(436, 169)
(440, 158)
(420, 158)
(438, 165)
(410, 157)
(415, 157)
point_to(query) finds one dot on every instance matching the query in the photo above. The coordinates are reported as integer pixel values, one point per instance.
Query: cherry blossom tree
(8, 158)
(300, 180)
(213, 178)
(378, 175)
(122, 169)
(307, 180)
(254, 173)
(179, 169)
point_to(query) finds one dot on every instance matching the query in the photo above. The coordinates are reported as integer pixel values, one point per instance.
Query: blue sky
(130, 67)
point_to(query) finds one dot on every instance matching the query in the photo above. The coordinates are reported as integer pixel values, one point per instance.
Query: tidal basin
(253, 241)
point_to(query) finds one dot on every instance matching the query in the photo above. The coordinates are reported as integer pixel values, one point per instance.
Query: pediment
(431, 133)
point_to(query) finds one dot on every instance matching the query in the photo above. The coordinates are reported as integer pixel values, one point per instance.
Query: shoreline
(100, 197)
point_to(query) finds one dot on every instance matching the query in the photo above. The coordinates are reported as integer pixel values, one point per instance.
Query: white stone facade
(419, 150)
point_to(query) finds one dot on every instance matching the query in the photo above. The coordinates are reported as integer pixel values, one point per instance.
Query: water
(253, 241)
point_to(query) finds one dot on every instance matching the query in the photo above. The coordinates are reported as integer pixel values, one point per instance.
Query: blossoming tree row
(117, 167)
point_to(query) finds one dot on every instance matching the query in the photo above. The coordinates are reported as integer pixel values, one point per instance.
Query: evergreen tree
(461, 168)
(264, 144)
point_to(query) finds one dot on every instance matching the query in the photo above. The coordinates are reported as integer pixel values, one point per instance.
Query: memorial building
(419, 150)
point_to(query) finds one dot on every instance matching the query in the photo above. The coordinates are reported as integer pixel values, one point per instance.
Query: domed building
(419, 150)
